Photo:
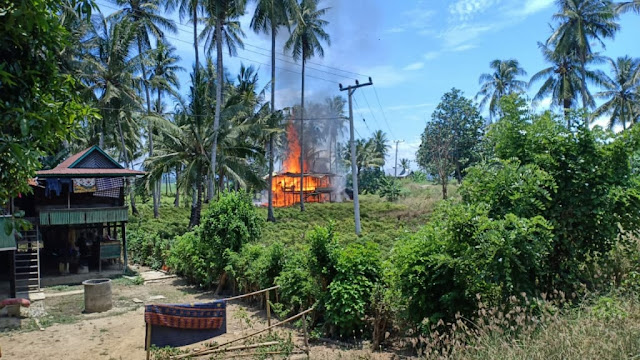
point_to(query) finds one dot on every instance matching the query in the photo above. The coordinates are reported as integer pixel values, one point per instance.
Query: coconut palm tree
(164, 72)
(109, 74)
(503, 81)
(626, 6)
(222, 28)
(304, 43)
(335, 126)
(405, 164)
(562, 81)
(581, 23)
(381, 145)
(621, 93)
(189, 9)
(268, 17)
(145, 18)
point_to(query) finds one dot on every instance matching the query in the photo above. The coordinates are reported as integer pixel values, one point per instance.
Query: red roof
(108, 167)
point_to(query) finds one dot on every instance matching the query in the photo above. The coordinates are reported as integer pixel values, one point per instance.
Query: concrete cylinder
(97, 295)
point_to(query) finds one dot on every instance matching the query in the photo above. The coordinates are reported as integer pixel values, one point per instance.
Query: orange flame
(286, 185)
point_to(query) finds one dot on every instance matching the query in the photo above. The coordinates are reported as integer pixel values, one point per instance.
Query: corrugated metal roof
(106, 168)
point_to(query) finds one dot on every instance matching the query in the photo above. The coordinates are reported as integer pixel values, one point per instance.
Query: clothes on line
(84, 185)
(108, 183)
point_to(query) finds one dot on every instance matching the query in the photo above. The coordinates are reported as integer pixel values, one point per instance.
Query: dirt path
(119, 333)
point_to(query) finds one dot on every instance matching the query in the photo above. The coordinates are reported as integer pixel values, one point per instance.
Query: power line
(371, 111)
(383, 113)
(183, 27)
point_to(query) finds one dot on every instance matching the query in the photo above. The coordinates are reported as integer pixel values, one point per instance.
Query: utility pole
(395, 169)
(354, 169)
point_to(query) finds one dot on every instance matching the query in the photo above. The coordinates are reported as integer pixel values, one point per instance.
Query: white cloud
(385, 76)
(432, 55)
(466, 9)
(534, 6)
(464, 47)
(415, 66)
(417, 20)
(463, 34)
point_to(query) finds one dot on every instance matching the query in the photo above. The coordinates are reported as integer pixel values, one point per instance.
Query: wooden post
(100, 251)
(147, 341)
(304, 332)
(12, 273)
(124, 247)
(266, 294)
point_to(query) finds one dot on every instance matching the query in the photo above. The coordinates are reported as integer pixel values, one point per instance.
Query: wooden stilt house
(78, 217)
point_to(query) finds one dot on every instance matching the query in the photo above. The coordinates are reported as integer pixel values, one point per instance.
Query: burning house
(318, 185)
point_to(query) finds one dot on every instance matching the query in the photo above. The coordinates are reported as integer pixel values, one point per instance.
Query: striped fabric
(184, 324)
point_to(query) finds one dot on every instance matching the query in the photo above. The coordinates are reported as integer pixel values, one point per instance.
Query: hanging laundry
(110, 193)
(108, 183)
(84, 185)
(68, 182)
(53, 186)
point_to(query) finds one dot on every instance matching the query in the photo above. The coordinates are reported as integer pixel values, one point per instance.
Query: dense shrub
(203, 254)
(147, 248)
(463, 252)
(596, 196)
(358, 269)
(369, 180)
(336, 280)
(256, 266)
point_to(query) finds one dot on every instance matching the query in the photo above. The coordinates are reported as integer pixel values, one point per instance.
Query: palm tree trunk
(583, 71)
(101, 134)
(196, 205)
(195, 39)
(154, 191)
(302, 137)
(132, 199)
(216, 119)
(566, 104)
(176, 202)
(270, 216)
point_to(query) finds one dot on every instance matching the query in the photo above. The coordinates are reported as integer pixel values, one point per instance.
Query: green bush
(358, 269)
(203, 254)
(595, 195)
(147, 248)
(463, 252)
(389, 188)
(256, 266)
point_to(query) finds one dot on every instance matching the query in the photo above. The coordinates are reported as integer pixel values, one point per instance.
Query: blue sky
(415, 51)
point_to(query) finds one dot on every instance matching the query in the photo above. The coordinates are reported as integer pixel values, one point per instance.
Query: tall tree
(562, 81)
(222, 28)
(304, 43)
(503, 81)
(147, 22)
(450, 139)
(110, 74)
(39, 105)
(582, 22)
(626, 6)
(381, 144)
(164, 72)
(334, 127)
(270, 15)
(621, 94)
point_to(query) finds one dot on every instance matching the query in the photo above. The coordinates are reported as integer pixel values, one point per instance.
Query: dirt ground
(119, 333)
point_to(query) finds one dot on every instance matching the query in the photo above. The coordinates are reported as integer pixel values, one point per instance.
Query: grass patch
(605, 328)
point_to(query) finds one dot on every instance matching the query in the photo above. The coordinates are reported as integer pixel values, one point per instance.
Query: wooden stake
(304, 332)
(268, 310)
(209, 351)
(249, 294)
(148, 341)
